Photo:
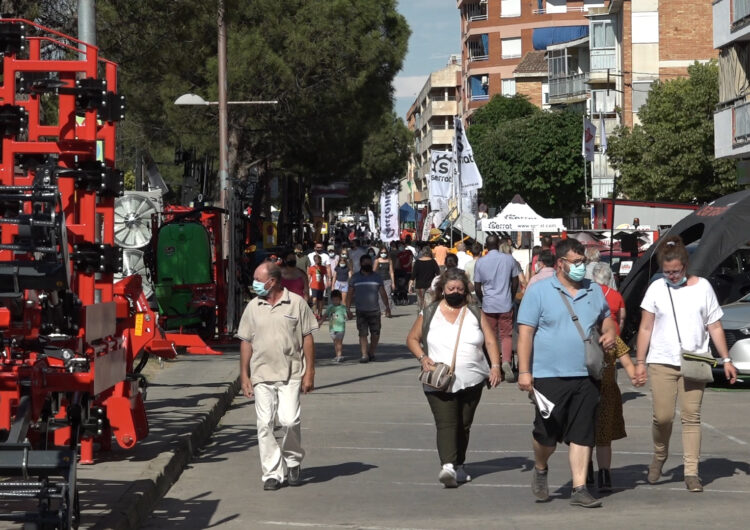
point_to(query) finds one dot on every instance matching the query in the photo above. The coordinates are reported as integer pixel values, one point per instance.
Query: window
(509, 87)
(588, 4)
(511, 48)
(646, 27)
(510, 8)
(602, 103)
(545, 95)
(479, 50)
(602, 35)
(640, 94)
(479, 86)
(557, 6)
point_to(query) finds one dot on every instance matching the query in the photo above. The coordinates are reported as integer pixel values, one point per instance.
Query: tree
(670, 154)
(520, 149)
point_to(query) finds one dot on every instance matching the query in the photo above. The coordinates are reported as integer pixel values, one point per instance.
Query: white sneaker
(447, 476)
(461, 475)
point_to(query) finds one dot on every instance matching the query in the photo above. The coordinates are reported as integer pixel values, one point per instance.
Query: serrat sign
(389, 213)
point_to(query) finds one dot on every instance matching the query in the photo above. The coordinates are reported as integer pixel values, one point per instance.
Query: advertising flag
(441, 178)
(389, 213)
(602, 135)
(470, 177)
(589, 134)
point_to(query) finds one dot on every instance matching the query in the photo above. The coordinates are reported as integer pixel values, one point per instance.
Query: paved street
(371, 460)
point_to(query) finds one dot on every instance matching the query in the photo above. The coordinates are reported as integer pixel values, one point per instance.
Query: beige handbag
(440, 375)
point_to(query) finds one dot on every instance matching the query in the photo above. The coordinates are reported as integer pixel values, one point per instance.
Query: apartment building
(497, 34)
(731, 35)
(607, 73)
(431, 117)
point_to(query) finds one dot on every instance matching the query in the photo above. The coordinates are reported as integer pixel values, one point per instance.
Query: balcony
(732, 130)
(731, 21)
(479, 49)
(438, 137)
(565, 89)
(439, 108)
(603, 59)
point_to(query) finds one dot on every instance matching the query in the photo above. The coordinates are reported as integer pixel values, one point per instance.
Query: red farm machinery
(73, 342)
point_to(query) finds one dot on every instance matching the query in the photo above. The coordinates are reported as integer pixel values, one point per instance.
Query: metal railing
(740, 10)
(568, 9)
(603, 60)
(741, 119)
(572, 85)
(478, 58)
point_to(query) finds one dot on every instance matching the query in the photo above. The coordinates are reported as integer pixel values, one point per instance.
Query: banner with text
(441, 179)
(389, 213)
(371, 221)
(470, 177)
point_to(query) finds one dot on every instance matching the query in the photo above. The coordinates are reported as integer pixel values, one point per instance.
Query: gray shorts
(368, 320)
(337, 335)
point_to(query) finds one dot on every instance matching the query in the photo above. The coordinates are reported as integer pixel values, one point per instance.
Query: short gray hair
(601, 273)
(593, 254)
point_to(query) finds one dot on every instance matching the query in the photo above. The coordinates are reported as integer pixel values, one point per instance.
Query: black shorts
(368, 320)
(573, 419)
(317, 294)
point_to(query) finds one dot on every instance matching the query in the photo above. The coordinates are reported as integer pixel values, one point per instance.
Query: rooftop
(532, 63)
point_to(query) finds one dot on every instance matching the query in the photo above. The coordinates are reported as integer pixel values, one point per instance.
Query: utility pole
(86, 25)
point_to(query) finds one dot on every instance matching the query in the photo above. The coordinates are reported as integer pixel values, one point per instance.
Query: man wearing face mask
(277, 362)
(559, 368)
(365, 287)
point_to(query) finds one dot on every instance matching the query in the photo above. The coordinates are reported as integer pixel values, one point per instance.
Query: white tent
(518, 216)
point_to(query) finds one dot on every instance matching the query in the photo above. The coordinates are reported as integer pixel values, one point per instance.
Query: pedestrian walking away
(495, 284)
(365, 287)
(277, 363)
(558, 373)
(424, 271)
(450, 329)
(679, 313)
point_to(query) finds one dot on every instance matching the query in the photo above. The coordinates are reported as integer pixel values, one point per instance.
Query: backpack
(429, 311)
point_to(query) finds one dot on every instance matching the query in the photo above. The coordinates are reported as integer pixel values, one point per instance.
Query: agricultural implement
(72, 341)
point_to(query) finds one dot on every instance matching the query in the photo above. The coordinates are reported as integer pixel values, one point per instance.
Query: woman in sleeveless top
(384, 267)
(292, 277)
(342, 272)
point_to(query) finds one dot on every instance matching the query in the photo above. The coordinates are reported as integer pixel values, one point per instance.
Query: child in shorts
(336, 313)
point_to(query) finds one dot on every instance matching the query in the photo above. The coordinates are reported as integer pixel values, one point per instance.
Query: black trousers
(454, 414)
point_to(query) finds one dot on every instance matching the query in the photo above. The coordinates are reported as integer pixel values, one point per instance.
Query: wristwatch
(726, 360)
(421, 357)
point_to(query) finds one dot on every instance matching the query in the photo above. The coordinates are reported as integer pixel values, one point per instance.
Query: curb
(137, 503)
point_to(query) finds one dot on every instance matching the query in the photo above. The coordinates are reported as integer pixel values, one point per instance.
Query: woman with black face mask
(452, 328)
(292, 277)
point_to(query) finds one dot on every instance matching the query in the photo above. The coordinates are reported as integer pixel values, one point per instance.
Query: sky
(435, 36)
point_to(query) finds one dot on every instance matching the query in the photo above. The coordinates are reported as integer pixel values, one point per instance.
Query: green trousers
(454, 414)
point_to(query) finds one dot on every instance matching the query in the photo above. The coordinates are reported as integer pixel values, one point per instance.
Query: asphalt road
(371, 460)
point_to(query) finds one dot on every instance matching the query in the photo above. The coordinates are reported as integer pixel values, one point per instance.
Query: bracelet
(639, 361)
(495, 366)
(421, 357)
(521, 373)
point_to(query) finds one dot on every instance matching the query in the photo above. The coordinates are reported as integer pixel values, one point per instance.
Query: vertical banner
(470, 177)
(602, 135)
(389, 213)
(441, 179)
(427, 226)
(371, 221)
(589, 133)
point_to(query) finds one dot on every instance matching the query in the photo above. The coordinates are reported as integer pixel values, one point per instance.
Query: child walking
(336, 313)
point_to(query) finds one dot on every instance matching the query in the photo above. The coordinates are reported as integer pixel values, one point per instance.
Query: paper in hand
(544, 405)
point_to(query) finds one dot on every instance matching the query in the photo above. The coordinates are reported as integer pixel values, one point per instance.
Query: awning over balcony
(544, 37)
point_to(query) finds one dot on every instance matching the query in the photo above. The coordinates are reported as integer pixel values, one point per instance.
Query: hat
(331, 247)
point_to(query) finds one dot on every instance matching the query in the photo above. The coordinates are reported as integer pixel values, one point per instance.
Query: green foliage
(520, 149)
(670, 155)
(329, 64)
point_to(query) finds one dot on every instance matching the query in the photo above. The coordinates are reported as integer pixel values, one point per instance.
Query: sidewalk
(185, 400)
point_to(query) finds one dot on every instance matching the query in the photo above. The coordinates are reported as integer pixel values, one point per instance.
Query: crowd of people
(469, 302)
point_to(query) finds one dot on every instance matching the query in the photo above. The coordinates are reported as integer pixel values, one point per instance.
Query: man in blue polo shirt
(559, 370)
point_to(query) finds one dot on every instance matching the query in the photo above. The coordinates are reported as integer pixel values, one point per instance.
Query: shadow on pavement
(326, 473)
(630, 396)
(496, 465)
(192, 513)
(364, 378)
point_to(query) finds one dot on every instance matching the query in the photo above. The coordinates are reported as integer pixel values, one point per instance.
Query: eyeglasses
(577, 262)
(674, 273)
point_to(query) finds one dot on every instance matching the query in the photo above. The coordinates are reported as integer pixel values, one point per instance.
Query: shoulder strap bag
(440, 376)
(593, 349)
(694, 366)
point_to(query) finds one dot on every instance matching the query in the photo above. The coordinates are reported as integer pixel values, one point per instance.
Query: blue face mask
(676, 284)
(577, 272)
(259, 288)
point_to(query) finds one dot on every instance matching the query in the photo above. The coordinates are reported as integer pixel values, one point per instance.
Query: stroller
(400, 292)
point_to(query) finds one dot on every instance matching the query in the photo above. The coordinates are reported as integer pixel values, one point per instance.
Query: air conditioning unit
(485, 80)
(482, 2)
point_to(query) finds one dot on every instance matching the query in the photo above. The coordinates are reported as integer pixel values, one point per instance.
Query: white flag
(589, 134)
(470, 177)
(441, 178)
(389, 213)
(371, 221)
(602, 135)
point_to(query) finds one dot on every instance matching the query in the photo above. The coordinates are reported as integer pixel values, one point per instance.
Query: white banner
(371, 221)
(589, 134)
(441, 178)
(470, 177)
(427, 225)
(389, 214)
(602, 135)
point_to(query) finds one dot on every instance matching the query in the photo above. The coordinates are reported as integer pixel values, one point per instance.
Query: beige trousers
(667, 387)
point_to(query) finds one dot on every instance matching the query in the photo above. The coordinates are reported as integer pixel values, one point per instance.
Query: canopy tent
(518, 216)
(407, 214)
(720, 227)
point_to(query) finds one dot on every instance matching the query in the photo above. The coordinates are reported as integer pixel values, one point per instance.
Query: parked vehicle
(736, 323)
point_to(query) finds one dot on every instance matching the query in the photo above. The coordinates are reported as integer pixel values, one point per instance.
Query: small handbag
(440, 376)
(593, 349)
(694, 366)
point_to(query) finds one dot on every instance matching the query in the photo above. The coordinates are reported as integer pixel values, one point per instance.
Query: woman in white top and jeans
(454, 408)
(696, 316)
